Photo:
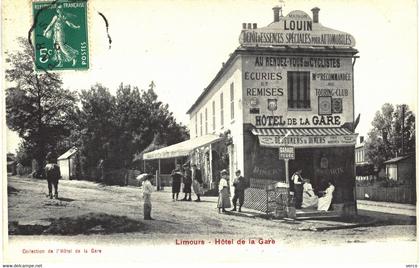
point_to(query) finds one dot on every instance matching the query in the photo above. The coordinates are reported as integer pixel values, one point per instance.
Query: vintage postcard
(208, 132)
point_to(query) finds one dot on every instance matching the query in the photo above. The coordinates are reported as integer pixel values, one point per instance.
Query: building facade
(287, 84)
(401, 169)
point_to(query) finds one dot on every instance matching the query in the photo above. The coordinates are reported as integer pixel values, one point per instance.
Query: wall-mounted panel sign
(307, 141)
(286, 152)
(296, 29)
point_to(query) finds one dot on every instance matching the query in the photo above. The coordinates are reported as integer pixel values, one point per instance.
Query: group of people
(305, 196)
(240, 184)
(187, 177)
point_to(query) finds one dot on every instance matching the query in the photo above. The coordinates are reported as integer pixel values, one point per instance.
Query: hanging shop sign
(307, 141)
(296, 29)
(286, 152)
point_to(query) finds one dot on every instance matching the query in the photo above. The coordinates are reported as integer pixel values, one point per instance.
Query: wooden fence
(406, 195)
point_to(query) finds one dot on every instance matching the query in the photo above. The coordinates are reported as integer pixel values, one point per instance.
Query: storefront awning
(305, 137)
(181, 149)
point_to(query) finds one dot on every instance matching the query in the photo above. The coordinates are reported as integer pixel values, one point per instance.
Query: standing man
(147, 194)
(298, 188)
(176, 181)
(240, 185)
(52, 174)
(187, 183)
(197, 182)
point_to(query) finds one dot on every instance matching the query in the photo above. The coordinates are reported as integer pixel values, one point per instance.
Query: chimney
(254, 26)
(243, 26)
(276, 11)
(362, 138)
(315, 14)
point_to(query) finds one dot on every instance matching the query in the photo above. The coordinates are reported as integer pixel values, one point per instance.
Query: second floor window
(213, 107)
(205, 124)
(221, 110)
(232, 102)
(298, 90)
(196, 125)
(201, 124)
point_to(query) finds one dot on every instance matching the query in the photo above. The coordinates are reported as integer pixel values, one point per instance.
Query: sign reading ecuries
(286, 152)
(296, 29)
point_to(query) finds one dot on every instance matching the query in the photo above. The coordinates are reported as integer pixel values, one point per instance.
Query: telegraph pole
(402, 138)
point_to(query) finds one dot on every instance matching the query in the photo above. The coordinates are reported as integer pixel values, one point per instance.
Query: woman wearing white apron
(325, 201)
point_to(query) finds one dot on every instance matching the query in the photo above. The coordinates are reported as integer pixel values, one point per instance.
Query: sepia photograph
(209, 132)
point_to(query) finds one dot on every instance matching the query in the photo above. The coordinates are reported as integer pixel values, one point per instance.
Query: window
(196, 126)
(201, 124)
(232, 102)
(298, 88)
(214, 115)
(205, 118)
(221, 110)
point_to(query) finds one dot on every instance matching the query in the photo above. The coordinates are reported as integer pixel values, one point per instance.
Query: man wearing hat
(240, 185)
(52, 174)
(187, 183)
(297, 181)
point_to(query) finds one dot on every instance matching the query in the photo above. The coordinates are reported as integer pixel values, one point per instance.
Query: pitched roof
(397, 159)
(68, 154)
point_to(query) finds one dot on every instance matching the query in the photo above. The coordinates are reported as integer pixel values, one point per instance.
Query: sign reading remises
(297, 28)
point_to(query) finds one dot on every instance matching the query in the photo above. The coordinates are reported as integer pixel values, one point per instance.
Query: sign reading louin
(286, 152)
(60, 34)
(296, 29)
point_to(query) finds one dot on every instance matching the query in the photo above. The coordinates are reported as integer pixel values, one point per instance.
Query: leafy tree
(114, 129)
(96, 124)
(385, 139)
(36, 105)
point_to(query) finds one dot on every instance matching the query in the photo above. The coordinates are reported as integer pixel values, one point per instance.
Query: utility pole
(402, 138)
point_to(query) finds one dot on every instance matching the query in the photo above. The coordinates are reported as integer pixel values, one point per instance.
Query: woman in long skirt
(309, 200)
(224, 201)
(325, 201)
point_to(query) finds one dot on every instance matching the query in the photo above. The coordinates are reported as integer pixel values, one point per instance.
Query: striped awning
(301, 131)
(305, 137)
(183, 148)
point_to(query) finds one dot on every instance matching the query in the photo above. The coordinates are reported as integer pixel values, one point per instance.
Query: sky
(181, 45)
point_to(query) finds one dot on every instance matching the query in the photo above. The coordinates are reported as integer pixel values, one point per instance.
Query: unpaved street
(28, 205)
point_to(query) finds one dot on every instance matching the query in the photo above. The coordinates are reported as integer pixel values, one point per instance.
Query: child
(147, 192)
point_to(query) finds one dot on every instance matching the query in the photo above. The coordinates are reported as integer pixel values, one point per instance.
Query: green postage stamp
(61, 35)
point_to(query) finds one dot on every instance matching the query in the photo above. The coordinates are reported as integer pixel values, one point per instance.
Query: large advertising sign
(307, 141)
(296, 29)
(297, 91)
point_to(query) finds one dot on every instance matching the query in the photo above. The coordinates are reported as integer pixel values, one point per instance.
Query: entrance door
(303, 160)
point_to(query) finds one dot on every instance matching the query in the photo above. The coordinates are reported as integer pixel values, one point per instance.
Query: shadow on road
(91, 223)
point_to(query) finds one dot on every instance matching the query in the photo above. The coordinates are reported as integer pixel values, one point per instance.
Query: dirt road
(28, 205)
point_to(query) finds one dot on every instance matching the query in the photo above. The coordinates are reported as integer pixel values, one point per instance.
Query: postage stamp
(61, 35)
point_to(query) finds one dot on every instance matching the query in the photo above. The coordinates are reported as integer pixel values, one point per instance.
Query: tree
(36, 105)
(97, 125)
(393, 134)
(114, 129)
